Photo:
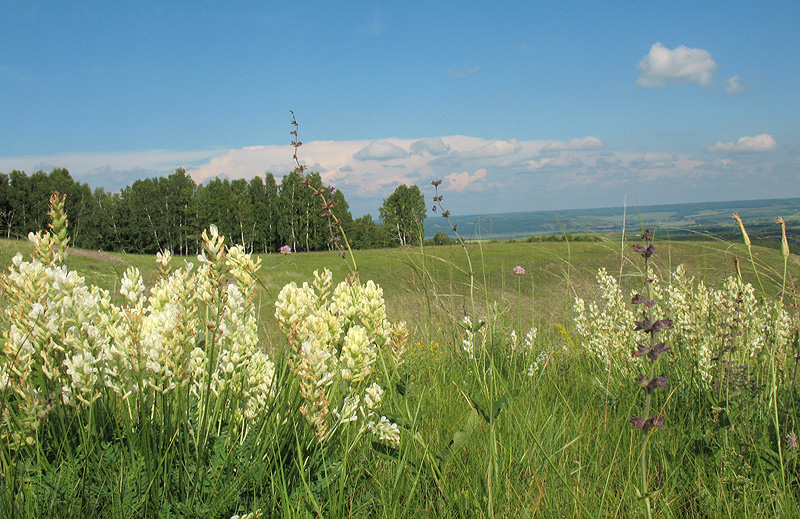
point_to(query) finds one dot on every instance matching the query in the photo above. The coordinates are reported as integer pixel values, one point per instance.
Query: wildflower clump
(66, 344)
(698, 312)
(605, 325)
(336, 335)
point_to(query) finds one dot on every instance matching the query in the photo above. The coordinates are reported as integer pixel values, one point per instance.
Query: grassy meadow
(524, 409)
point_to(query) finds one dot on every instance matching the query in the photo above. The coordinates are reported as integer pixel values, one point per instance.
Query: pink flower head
(519, 271)
(285, 250)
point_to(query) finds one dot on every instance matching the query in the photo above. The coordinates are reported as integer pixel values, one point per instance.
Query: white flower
(374, 396)
(385, 430)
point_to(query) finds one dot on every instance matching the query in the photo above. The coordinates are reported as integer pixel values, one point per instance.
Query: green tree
(180, 210)
(341, 209)
(403, 215)
(300, 224)
(142, 217)
(264, 201)
(441, 238)
(213, 204)
(5, 206)
(241, 214)
(366, 233)
(103, 222)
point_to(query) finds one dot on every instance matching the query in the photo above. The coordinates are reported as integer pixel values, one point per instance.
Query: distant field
(712, 218)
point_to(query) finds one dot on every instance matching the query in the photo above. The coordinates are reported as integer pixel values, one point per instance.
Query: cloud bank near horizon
(484, 175)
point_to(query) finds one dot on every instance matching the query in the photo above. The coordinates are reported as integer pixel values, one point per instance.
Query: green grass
(558, 444)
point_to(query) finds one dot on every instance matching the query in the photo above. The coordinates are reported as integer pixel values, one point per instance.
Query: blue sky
(516, 106)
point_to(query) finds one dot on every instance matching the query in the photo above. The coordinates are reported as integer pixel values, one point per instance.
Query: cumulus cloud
(653, 160)
(587, 143)
(492, 149)
(682, 64)
(434, 146)
(380, 150)
(733, 85)
(460, 181)
(722, 163)
(525, 174)
(113, 170)
(763, 142)
(553, 162)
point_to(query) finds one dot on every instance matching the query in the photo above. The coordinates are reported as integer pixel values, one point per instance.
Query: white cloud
(491, 149)
(380, 150)
(586, 143)
(460, 181)
(763, 142)
(733, 85)
(722, 163)
(434, 146)
(683, 64)
(658, 157)
(525, 174)
(112, 170)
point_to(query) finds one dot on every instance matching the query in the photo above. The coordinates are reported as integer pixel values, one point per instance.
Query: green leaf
(460, 437)
(494, 407)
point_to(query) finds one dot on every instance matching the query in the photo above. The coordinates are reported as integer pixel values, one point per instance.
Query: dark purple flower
(653, 384)
(646, 325)
(652, 352)
(637, 422)
(639, 299)
(646, 252)
(433, 209)
(646, 425)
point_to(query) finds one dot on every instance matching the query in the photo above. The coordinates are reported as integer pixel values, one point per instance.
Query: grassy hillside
(420, 283)
(489, 423)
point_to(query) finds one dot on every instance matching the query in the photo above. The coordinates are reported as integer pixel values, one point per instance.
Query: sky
(515, 106)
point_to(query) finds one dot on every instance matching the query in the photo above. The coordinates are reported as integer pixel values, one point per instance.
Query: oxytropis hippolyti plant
(650, 351)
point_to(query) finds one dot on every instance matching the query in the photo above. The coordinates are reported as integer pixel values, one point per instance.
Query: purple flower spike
(646, 325)
(639, 299)
(657, 350)
(652, 352)
(646, 425)
(646, 252)
(653, 384)
(637, 422)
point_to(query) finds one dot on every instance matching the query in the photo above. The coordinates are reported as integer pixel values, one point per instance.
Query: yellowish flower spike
(337, 336)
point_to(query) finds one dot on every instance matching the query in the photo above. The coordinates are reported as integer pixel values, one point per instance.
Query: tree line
(169, 213)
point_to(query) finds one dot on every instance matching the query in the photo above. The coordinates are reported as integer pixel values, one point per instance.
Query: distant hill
(673, 219)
